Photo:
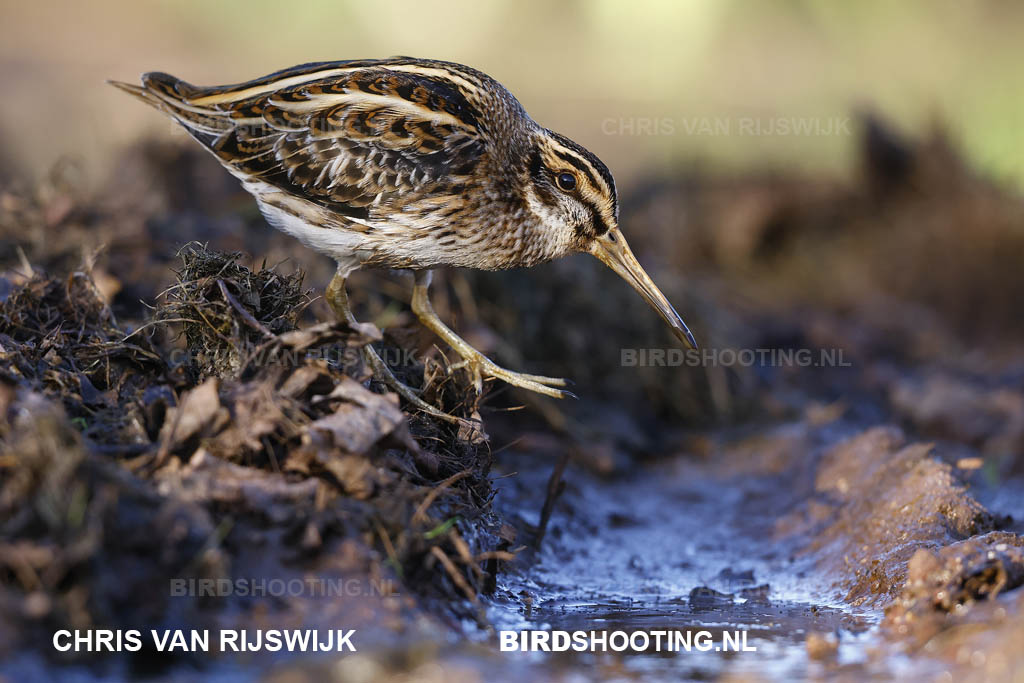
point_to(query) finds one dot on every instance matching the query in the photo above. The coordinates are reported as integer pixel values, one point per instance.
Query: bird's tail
(171, 96)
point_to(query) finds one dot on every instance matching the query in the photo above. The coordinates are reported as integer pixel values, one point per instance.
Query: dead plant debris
(160, 449)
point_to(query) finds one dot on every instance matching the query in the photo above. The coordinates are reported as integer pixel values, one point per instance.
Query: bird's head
(573, 194)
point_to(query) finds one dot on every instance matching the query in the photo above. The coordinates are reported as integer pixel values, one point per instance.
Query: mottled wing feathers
(363, 139)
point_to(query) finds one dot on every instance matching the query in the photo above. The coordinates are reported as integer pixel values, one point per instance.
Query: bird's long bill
(613, 251)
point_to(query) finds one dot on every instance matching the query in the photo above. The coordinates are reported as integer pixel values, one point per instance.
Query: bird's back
(391, 149)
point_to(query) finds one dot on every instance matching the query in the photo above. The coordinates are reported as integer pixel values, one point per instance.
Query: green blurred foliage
(648, 85)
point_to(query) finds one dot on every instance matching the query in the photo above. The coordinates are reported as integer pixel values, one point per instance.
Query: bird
(410, 164)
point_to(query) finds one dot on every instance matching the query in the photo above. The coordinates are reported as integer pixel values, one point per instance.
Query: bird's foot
(337, 297)
(382, 373)
(480, 366)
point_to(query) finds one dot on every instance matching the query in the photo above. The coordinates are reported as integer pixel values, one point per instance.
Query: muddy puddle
(705, 546)
(674, 549)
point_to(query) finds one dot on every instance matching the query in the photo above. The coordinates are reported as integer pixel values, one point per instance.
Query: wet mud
(176, 403)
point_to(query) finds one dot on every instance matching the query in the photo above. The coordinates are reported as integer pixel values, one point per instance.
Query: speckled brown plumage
(409, 163)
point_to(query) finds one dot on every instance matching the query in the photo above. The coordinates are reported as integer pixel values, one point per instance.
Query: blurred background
(645, 84)
(796, 175)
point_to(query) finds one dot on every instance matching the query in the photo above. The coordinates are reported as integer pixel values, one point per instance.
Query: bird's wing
(363, 139)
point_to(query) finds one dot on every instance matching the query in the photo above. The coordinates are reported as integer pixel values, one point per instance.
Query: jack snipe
(411, 164)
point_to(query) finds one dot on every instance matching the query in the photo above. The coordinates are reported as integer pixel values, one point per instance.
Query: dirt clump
(132, 455)
(876, 501)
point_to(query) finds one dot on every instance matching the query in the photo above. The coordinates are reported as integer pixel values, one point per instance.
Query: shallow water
(675, 549)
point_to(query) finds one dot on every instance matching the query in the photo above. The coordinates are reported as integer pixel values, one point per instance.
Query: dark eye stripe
(578, 163)
(541, 178)
(595, 164)
(536, 167)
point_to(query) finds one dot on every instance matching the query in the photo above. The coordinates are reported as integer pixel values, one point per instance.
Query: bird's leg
(337, 297)
(477, 362)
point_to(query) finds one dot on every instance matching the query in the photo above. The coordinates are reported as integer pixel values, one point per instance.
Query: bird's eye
(566, 181)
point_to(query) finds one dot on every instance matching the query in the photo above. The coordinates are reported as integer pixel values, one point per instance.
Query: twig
(389, 548)
(453, 572)
(464, 554)
(421, 509)
(158, 322)
(246, 315)
(555, 488)
(495, 555)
